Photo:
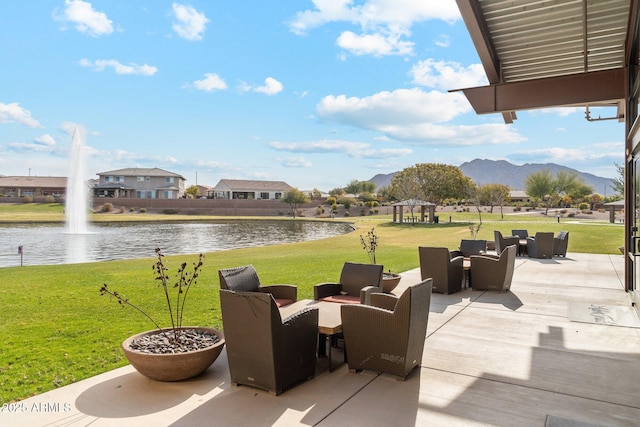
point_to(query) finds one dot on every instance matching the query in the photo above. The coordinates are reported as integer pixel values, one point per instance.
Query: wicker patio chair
(443, 267)
(503, 242)
(522, 234)
(470, 247)
(491, 273)
(560, 243)
(357, 283)
(246, 279)
(540, 246)
(263, 350)
(388, 336)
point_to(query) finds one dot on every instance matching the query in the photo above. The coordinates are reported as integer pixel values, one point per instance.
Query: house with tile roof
(32, 186)
(140, 183)
(249, 189)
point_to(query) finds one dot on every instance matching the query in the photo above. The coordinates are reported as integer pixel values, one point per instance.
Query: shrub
(334, 207)
(583, 206)
(331, 201)
(346, 213)
(143, 210)
(49, 199)
(132, 209)
(122, 209)
(28, 199)
(107, 207)
(170, 211)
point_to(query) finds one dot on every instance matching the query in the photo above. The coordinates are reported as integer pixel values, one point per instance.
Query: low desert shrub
(106, 207)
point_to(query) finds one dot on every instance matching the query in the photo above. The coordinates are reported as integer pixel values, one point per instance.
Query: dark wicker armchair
(388, 336)
(357, 283)
(443, 267)
(493, 273)
(246, 279)
(502, 242)
(540, 246)
(470, 247)
(560, 243)
(263, 350)
(522, 234)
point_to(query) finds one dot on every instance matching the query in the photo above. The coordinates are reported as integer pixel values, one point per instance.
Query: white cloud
(190, 24)
(85, 18)
(14, 113)
(588, 153)
(271, 86)
(402, 107)
(447, 75)
(559, 111)
(383, 23)
(45, 139)
(294, 162)
(443, 41)
(414, 116)
(374, 44)
(374, 13)
(210, 83)
(119, 68)
(352, 149)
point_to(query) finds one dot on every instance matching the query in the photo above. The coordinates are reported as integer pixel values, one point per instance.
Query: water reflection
(46, 244)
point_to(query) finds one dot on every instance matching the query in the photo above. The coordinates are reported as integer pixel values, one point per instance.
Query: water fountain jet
(76, 198)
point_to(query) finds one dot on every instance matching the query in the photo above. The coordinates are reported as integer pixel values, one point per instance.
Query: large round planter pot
(389, 282)
(176, 366)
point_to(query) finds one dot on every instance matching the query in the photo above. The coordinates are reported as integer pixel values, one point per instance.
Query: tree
(294, 198)
(618, 182)
(494, 195)
(432, 182)
(358, 187)
(193, 191)
(551, 189)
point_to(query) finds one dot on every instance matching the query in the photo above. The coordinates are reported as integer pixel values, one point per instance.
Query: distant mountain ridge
(483, 171)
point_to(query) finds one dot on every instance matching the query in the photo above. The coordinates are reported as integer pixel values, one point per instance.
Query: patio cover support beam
(596, 87)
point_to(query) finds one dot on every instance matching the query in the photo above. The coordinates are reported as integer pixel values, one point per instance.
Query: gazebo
(412, 203)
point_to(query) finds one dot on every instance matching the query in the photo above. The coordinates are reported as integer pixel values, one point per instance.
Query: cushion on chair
(342, 299)
(281, 302)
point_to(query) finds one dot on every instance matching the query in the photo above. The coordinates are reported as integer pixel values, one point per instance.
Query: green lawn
(57, 329)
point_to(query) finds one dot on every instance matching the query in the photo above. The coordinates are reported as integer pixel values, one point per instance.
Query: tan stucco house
(140, 183)
(249, 189)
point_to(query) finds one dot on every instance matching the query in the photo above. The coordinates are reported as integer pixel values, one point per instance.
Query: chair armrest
(306, 315)
(289, 292)
(323, 290)
(385, 301)
(456, 254)
(490, 256)
(365, 294)
(457, 260)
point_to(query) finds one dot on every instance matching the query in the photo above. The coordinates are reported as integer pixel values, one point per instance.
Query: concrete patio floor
(490, 359)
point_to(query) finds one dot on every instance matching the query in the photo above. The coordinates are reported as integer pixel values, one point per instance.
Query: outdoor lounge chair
(470, 247)
(388, 335)
(560, 243)
(522, 234)
(493, 273)
(246, 279)
(503, 242)
(264, 350)
(443, 267)
(540, 246)
(357, 283)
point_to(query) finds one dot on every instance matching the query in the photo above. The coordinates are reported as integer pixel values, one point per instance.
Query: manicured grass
(57, 329)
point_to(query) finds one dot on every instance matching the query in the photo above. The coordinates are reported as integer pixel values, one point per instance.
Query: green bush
(143, 210)
(331, 201)
(583, 206)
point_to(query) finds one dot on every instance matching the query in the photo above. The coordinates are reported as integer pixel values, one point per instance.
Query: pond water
(46, 244)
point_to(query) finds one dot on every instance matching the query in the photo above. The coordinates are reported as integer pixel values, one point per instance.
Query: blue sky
(314, 93)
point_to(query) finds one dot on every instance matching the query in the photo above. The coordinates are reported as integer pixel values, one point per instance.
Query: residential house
(519, 196)
(33, 186)
(140, 183)
(249, 189)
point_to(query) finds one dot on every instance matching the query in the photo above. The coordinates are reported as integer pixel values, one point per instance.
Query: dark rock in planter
(165, 365)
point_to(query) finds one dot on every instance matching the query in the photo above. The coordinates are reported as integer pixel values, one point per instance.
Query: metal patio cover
(546, 53)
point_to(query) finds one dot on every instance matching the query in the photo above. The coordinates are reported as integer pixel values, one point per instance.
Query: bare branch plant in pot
(172, 353)
(369, 243)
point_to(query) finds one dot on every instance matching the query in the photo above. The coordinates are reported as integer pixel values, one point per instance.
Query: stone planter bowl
(389, 282)
(177, 366)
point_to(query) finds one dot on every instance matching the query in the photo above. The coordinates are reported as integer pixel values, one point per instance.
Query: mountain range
(483, 171)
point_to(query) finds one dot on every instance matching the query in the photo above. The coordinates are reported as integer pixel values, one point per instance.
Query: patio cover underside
(549, 53)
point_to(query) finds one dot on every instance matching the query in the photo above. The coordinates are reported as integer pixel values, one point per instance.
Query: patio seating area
(561, 347)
